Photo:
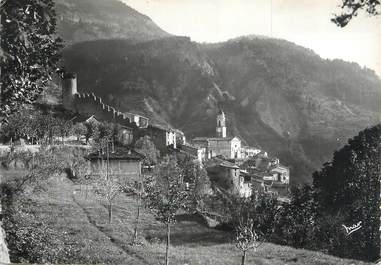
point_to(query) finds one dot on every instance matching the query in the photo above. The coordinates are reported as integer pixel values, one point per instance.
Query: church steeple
(221, 124)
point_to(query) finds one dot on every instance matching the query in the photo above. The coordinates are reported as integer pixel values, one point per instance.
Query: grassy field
(69, 209)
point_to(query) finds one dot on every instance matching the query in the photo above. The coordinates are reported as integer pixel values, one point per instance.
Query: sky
(304, 22)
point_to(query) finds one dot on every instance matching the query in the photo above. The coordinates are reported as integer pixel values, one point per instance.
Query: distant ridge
(276, 95)
(83, 20)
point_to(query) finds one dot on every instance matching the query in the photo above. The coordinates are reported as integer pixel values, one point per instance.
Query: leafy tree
(146, 147)
(351, 8)
(166, 195)
(63, 127)
(265, 213)
(106, 131)
(349, 186)
(198, 184)
(295, 224)
(40, 166)
(79, 130)
(13, 129)
(29, 51)
(92, 131)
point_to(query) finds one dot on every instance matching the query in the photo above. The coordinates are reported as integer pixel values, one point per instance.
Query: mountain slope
(82, 20)
(315, 104)
(278, 96)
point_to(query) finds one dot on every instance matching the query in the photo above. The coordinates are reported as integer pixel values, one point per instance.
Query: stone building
(163, 137)
(123, 164)
(227, 175)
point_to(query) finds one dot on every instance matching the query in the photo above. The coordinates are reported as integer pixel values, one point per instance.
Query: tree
(108, 188)
(29, 51)
(92, 131)
(349, 187)
(146, 147)
(241, 216)
(198, 184)
(63, 128)
(246, 237)
(351, 8)
(40, 166)
(295, 224)
(166, 195)
(79, 130)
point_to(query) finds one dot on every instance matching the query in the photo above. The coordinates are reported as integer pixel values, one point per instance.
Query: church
(221, 145)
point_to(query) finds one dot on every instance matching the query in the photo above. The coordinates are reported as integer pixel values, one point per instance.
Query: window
(219, 123)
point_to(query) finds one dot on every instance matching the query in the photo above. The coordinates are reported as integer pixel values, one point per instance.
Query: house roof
(214, 138)
(161, 127)
(120, 153)
(82, 118)
(218, 161)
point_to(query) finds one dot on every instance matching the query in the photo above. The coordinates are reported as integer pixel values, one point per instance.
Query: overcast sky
(305, 22)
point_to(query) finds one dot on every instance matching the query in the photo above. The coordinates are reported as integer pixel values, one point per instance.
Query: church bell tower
(221, 125)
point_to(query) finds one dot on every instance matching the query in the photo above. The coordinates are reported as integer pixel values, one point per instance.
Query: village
(224, 157)
(190, 133)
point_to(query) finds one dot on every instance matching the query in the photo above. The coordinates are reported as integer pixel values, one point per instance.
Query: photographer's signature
(353, 228)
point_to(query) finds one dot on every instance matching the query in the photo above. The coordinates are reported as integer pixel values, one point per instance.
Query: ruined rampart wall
(89, 103)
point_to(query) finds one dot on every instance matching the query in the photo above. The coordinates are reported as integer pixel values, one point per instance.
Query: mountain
(278, 96)
(82, 20)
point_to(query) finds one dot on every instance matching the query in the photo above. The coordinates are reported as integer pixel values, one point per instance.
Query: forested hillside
(81, 20)
(277, 95)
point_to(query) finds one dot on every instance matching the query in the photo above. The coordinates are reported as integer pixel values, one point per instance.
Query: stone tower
(221, 124)
(69, 89)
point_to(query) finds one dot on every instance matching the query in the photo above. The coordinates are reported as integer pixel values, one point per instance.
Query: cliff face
(277, 96)
(82, 20)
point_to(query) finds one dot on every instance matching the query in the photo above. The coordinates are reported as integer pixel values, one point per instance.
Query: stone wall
(89, 103)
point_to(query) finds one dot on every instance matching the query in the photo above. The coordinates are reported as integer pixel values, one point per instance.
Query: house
(180, 137)
(227, 175)
(125, 133)
(162, 136)
(280, 173)
(268, 169)
(122, 163)
(247, 151)
(196, 152)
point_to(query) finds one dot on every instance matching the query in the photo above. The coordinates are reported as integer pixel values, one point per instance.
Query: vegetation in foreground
(313, 220)
(68, 224)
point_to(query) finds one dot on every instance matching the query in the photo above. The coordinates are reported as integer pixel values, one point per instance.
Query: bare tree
(246, 237)
(166, 195)
(108, 188)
